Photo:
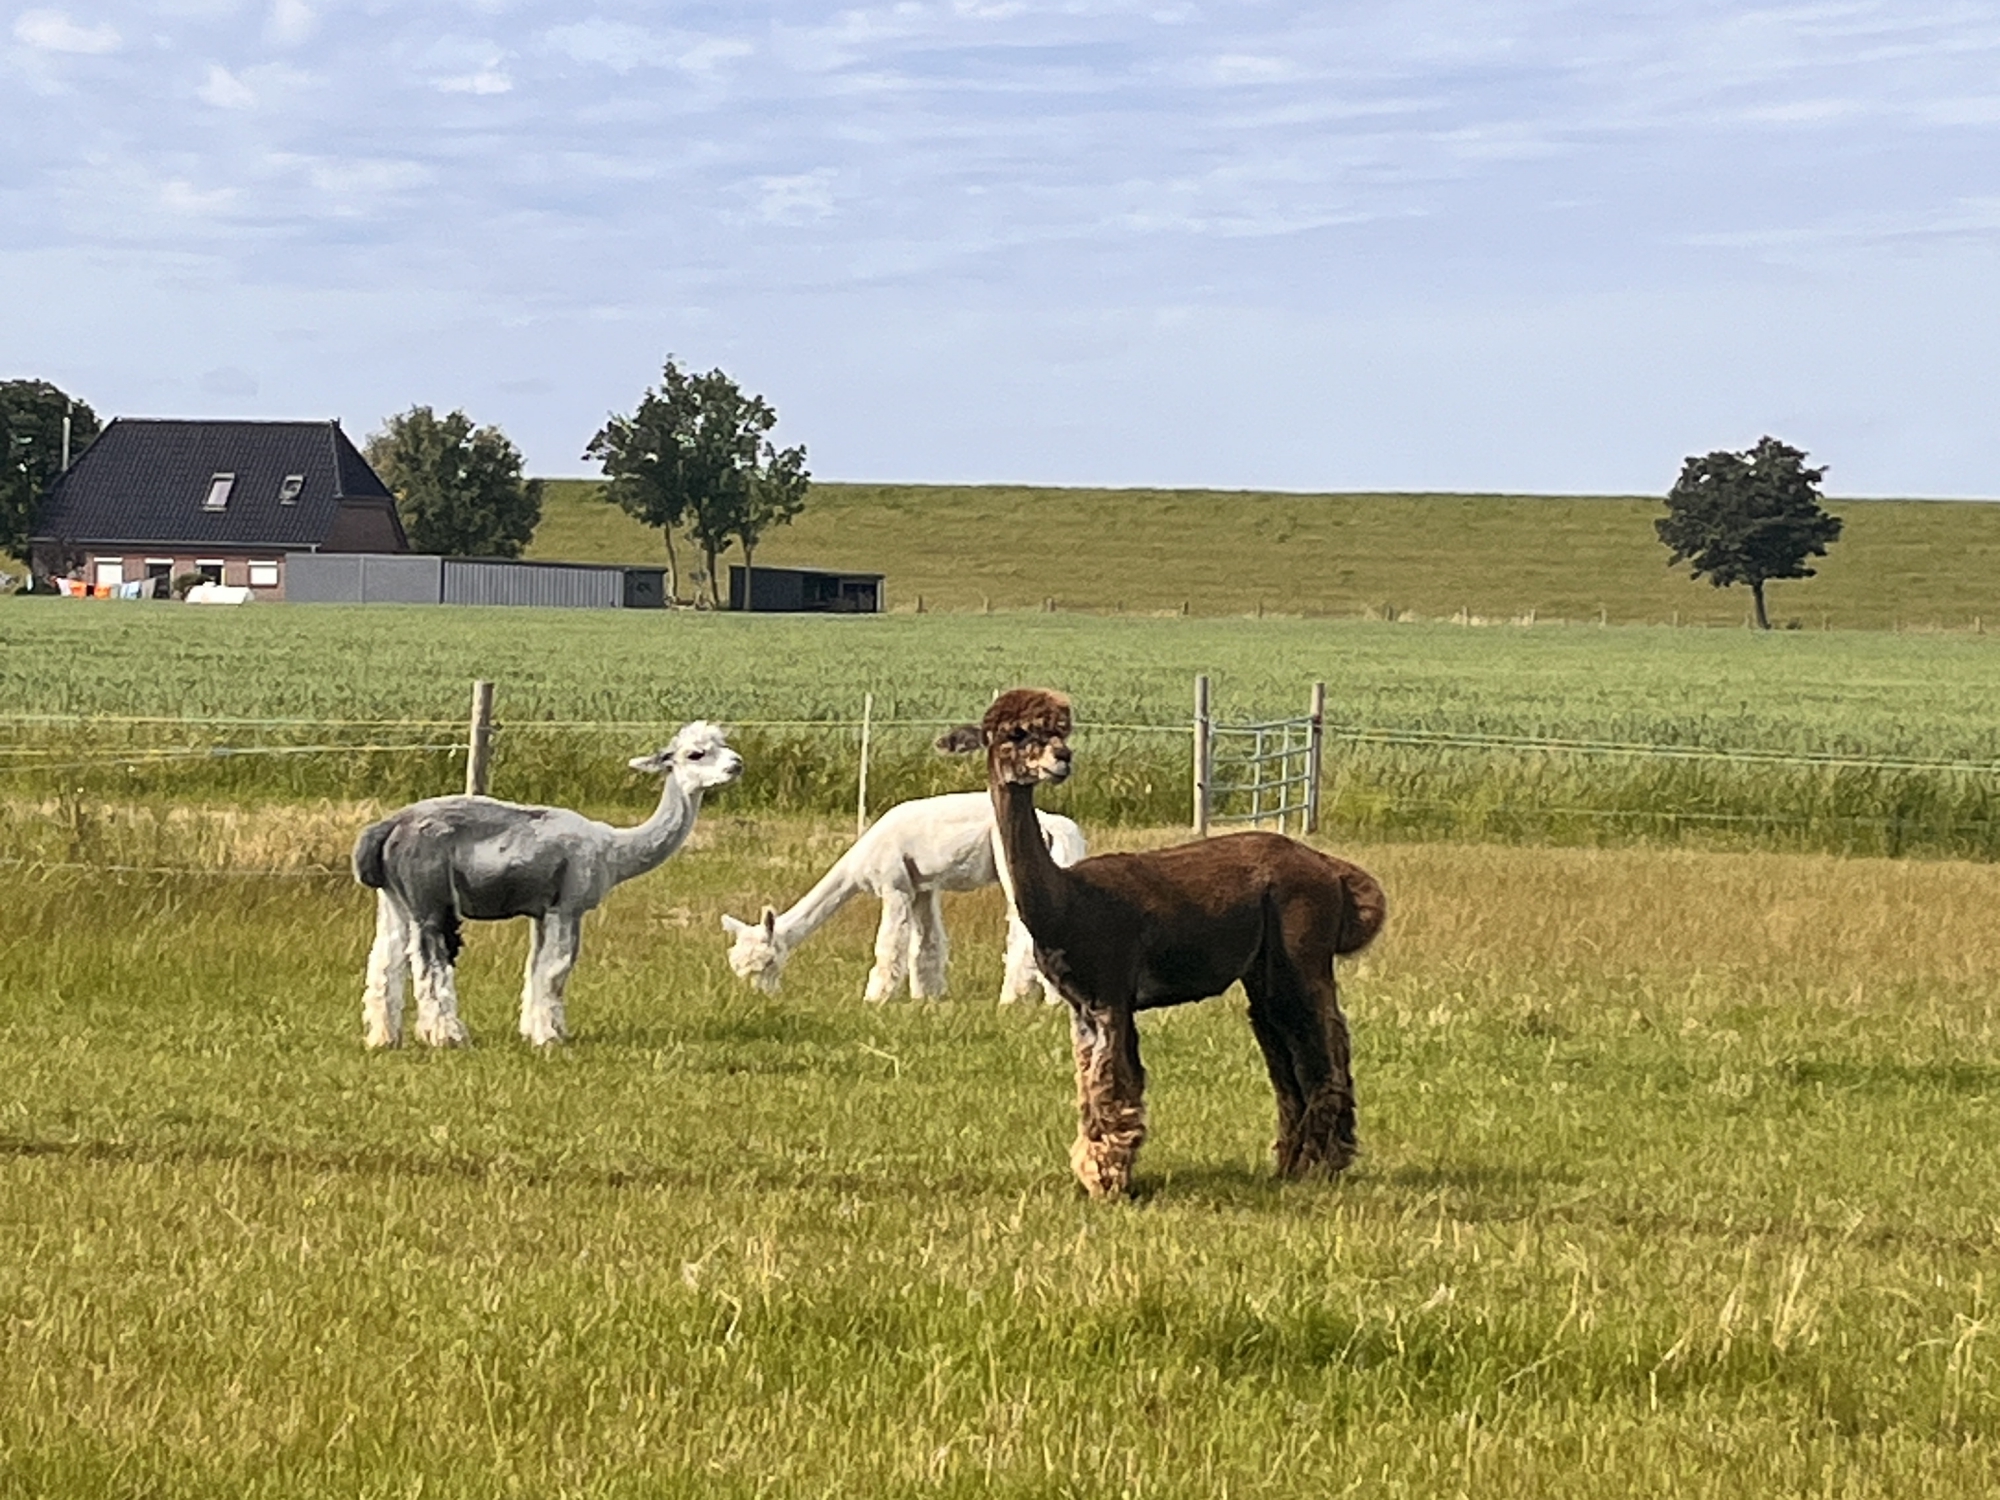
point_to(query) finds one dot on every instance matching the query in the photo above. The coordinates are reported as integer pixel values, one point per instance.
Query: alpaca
(1120, 933)
(912, 854)
(451, 859)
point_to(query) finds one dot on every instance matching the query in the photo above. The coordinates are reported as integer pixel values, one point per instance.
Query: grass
(1870, 696)
(1498, 558)
(1699, 1204)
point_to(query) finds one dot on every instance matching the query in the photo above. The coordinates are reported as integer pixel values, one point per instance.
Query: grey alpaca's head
(698, 758)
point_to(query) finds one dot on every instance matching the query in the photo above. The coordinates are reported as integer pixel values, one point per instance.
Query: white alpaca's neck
(805, 916)
(635, 851)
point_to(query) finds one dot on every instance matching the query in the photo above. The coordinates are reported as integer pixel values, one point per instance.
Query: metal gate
(1258, 773)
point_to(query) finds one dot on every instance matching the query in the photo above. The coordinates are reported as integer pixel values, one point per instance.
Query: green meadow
(1696, 1204)
(1497, 558)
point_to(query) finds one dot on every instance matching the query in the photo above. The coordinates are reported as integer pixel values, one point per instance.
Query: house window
(110, 570)
(288, 492)
(263, 575)
(218, 492)
(210, 569)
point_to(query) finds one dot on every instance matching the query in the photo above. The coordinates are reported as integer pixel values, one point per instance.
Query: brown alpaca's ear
(963, 740)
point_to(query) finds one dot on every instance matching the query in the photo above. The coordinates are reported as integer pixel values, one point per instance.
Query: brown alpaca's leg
(1110, 1099)
(1304, 1037)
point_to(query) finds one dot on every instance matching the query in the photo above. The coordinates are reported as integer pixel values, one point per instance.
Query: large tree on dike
(694, 455)
(458, 487)
(31, 448)
(1748, 518)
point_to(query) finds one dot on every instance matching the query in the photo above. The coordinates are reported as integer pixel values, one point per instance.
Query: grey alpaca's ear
(733, 927)
(653, 764)
(963, 740)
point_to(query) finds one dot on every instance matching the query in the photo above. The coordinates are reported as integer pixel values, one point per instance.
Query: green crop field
(1694, 1202)
(1498, 558)
(1884, 743)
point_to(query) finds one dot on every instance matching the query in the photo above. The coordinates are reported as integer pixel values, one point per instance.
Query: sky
(1429, 244)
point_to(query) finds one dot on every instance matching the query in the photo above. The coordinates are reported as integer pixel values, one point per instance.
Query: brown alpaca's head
(1025, 734)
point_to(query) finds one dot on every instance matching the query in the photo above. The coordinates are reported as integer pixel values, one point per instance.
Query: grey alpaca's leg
(930, 948)
(388, 962)
(892, 947)
(437, 988)
(1110, 1099)
(554, 948)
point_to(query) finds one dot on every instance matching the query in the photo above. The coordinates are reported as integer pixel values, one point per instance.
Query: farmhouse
(159, 498)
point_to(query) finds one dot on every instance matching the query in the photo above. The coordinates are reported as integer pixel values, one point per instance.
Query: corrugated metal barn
(376, 578)
(808, 590)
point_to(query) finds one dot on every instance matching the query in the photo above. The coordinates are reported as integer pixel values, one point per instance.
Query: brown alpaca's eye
(1018, 735)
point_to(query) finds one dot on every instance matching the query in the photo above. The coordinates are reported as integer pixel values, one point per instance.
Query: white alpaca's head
(698, 758)
(756, 954)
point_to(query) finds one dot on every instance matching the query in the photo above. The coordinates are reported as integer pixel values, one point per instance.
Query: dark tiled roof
(145, 480)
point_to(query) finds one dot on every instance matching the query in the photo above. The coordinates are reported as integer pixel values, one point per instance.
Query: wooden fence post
(479, 742)
(1315, 738)
(861, 790)
(1201, 756)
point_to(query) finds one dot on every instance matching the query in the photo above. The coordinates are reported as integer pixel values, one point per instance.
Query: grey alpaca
(448, 860)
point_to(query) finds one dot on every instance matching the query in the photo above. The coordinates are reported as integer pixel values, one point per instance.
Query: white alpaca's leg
(531, 979)
(892, 947)
(557, 943)
(382, 996)
(437, 990)
(930, 949)
(1022, 979)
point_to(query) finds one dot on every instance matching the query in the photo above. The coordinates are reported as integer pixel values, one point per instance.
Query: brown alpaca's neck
(1039, 882)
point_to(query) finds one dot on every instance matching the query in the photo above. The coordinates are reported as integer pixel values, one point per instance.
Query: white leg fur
(382, 996)
(553, 955)
(930, 949)
(892, 947)
(437, 1000)
(1022, 980)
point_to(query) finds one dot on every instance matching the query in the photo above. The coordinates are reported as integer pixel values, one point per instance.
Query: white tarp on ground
(220, 593)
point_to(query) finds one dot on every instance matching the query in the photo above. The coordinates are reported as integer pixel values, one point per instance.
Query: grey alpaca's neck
(634, 851)
(1039, 882)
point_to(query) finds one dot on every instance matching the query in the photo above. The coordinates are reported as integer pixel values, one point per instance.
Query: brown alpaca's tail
(1364, 911)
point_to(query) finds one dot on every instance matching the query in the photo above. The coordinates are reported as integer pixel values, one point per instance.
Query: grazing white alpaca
(454, 859)
(914, 853)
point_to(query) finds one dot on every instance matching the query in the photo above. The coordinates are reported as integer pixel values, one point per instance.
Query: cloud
(53, 31)
(179, 196)
(486, 81)
(621, 47)
(291, 22)
(802, 199)
(225, 90)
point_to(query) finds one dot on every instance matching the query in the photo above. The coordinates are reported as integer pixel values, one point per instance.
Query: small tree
(693, 455)
(1748, 518)
(778, 489)
(31, 451)
(458, 487)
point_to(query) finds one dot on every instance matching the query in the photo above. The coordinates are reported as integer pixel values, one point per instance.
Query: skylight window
(218, 492)
(288, 492)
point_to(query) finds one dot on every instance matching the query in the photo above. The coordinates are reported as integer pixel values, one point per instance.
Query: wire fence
(1367, 780)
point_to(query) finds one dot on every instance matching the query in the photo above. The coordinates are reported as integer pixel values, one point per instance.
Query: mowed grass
(1677, 1179)
(1497, 558)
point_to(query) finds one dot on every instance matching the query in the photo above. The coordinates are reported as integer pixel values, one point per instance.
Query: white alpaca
(452, 859)
(914, 853)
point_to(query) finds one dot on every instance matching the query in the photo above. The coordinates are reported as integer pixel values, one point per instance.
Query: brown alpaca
(1120, 933)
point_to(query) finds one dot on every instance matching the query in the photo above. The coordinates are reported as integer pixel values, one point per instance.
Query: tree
(694, 455)
(777, 493)
(31, 451)
(1748, 518)
(458, 487)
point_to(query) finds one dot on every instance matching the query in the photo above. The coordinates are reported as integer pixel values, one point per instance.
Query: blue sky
(1428, 244)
